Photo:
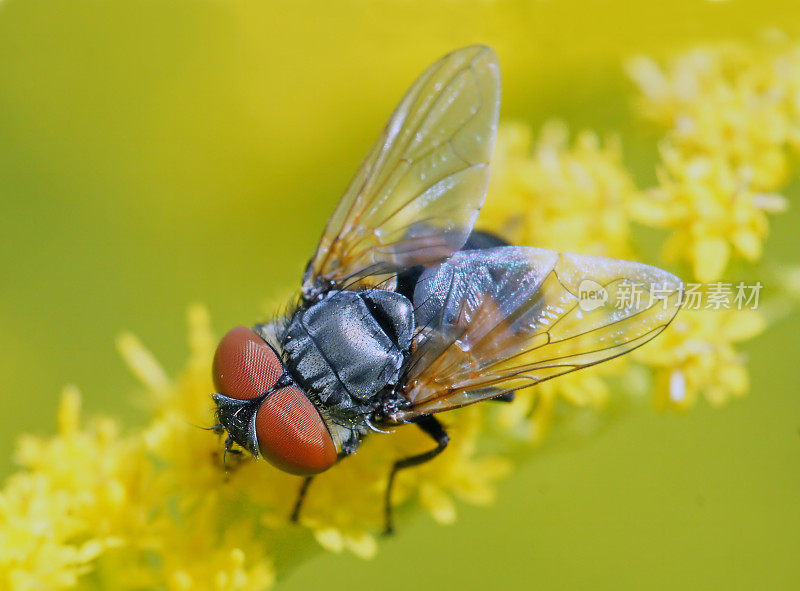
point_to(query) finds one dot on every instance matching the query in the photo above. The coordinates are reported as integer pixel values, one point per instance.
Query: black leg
(432, 427)
(301, 495)
(229, 450)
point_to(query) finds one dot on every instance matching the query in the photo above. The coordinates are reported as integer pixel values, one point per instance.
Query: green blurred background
(154, 154)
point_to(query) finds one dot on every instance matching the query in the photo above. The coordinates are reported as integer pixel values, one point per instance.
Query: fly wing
(502, 319)
(416, 196)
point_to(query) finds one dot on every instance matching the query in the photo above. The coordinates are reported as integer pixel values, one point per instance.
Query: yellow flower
(711, 212)
(66, 510)
(531, 414)
(551, 193)
(732, 116)
(730, 101)
(697, 356)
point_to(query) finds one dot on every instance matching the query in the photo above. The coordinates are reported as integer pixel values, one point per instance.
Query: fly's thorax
(349, 347)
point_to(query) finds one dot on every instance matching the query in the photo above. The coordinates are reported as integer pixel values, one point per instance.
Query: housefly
(405, 311)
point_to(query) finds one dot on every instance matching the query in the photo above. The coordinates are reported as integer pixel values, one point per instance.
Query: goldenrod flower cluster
(730, 120)
(101, 505)
(548, 192)
(155, 508)
(731, 117)
(698, 354)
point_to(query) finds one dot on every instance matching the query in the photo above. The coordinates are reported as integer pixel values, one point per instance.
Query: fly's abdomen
(350, 346)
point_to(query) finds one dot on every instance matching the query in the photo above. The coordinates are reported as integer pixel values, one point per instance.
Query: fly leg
(219, 429)
(301, 495)
(229, 450)
(432, 427)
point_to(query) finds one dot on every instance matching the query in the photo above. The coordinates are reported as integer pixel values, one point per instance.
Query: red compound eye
(244, 365)
(292, 435)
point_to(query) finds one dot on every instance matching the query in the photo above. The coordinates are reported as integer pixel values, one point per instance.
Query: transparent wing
(417, 194)
(498, 320)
